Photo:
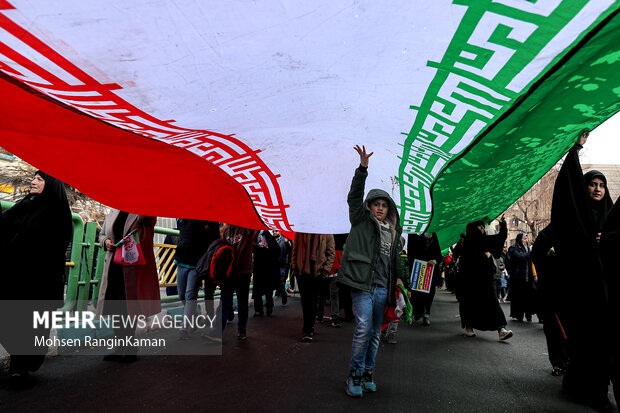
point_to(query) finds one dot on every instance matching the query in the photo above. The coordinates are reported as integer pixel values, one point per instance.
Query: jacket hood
(392, 216)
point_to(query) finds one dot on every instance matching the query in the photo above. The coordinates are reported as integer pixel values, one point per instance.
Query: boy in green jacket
(371, 266)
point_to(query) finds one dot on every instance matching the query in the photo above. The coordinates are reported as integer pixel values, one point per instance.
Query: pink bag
(128, 251)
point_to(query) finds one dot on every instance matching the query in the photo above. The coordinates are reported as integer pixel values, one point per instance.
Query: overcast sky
(603, 145)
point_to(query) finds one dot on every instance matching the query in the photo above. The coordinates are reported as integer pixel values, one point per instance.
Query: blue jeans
(187, 285)
(369, 308)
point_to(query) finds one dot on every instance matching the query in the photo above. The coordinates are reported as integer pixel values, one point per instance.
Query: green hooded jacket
(361, 252)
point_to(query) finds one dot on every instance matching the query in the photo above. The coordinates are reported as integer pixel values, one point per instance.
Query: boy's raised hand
(363, 155)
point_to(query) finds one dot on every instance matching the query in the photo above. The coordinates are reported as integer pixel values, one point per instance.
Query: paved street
(431, 369)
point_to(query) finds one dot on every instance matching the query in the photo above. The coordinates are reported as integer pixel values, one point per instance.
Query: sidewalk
(431, 369)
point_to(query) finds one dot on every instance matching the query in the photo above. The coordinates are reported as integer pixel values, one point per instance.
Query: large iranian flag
(247, 111)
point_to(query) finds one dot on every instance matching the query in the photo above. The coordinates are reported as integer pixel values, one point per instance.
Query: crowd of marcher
(568, 279)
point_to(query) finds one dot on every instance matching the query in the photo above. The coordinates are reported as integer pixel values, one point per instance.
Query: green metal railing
(87, 258)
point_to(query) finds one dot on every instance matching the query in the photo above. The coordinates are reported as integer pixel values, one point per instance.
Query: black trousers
(557, 346)
(258, 300)
(308, 289)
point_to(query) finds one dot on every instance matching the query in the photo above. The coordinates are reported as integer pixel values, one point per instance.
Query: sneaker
(426, 322)
(320, 320)
(368, 385)
(307, 338)
(336, 322)
(504, 334)
(241, 335)
(469, 332)
(258, 315)
(354, 386)
(391, 338)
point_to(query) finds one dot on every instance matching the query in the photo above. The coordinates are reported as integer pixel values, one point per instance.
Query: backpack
(216, 263)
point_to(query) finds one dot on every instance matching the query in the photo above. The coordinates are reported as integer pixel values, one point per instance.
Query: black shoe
(257, 314)
(115, 355)
(558, 371)
(307, 338)
(231, 316)
(284, 299)
(426, 322)
(19, 381)
(336, 322)
(129, 358)
(269, 311)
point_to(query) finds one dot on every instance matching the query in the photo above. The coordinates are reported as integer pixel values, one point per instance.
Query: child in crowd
(371, 267)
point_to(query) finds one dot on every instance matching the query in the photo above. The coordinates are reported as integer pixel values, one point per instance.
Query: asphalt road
(431, 369)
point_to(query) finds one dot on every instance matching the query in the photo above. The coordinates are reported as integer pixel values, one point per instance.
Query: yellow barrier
(166, 268)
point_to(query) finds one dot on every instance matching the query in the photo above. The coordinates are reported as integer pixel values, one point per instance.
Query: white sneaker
(504, 334)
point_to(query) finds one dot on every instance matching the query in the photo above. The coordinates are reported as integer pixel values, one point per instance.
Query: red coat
(141, 281)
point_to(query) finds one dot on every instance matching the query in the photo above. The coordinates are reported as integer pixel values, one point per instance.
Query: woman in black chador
(579, 209)
(522, 281)
(424, 247)
(478, 304)
(610, 245)
(34, 238)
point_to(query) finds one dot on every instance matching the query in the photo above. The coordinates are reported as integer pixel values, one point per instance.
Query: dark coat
(519, 261)
(522, 286)
(545, 260)
(266, 274)
(195, 236)
(361, 253)
(478, 304)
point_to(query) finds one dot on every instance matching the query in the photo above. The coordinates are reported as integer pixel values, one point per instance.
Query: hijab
(472, 233)
(519, 241)
(600, 209)
(40, 215)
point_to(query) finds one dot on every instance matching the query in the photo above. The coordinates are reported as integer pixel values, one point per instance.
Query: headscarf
(472, 232)
(39, 227)
(601, 208)
(46, 212)
(474, 239)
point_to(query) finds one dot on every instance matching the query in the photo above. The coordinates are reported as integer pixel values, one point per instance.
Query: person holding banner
(371, 267)
(424, 248)
(478, 304)
(610, 245)
(579, 211)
